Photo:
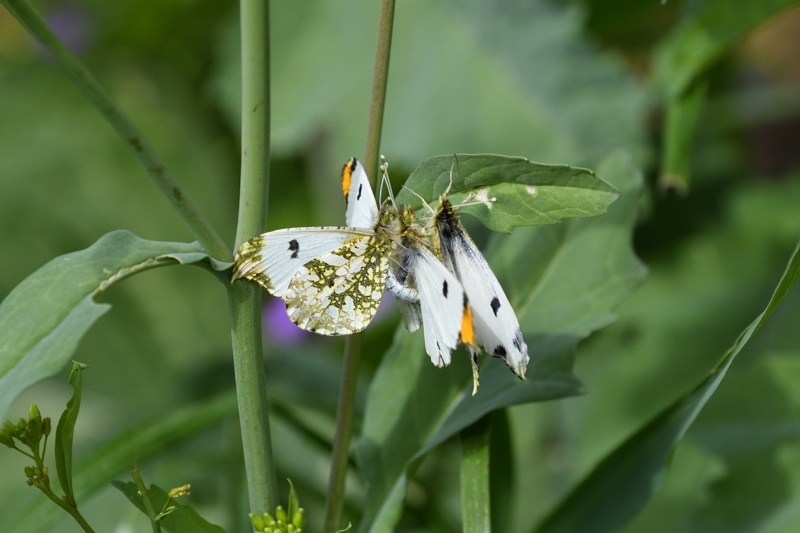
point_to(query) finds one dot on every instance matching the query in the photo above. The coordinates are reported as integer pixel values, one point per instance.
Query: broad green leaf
(65, 431)
(45, 316)
(148, 439)
(182, 518)
(508, 191)
(702, 289)
(475, 469)
(706, 34)
(564, 281)
(623, 482)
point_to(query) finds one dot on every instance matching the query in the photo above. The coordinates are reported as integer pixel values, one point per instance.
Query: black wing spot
(359, 192)
(444, 288)
(499, 351)
(518, 340)
(495, 305)
(330, 282)
(294, 246)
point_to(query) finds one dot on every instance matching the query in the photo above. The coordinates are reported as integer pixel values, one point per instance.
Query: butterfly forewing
(362, 210)
(273, 259)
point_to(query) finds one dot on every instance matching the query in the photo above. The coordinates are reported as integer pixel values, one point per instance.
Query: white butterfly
(442, 308)
(497, 330)
(331, 278)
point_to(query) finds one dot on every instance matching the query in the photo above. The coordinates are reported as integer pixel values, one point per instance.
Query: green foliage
(652, 438)
(283, 521)
(65, 432)
(508, 191)
(626, 479)
(175, 516)
(46, 331)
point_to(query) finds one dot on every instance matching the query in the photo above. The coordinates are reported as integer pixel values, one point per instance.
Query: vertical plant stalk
(352, 350)
(245, 298)
(475, 497)
(379, 83)
(202, 230)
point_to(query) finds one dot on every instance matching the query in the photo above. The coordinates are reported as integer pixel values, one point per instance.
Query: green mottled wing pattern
(339, 292)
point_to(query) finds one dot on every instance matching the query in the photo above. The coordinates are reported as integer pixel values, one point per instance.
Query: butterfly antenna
(421, 199)
(385, 180)
(450, 184)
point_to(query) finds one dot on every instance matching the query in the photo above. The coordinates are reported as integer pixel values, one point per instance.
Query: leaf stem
(68, 508)
(352, 351)
(116, 117)
(245, 298)
(148, 505)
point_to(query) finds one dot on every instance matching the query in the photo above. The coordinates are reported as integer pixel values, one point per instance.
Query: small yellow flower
(183, 490)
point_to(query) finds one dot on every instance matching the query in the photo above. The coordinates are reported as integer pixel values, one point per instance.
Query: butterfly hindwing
(338, 293)
(442, 303)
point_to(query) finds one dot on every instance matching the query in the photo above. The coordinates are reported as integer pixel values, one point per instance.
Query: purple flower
(73, 26)
(278, 328)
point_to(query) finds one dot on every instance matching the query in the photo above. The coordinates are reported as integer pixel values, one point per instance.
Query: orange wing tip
(347, 175)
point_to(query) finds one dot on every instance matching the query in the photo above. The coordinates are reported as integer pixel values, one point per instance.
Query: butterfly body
(429, 293)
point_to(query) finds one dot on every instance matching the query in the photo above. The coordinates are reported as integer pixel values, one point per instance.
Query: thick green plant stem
(97, 95)
(251, 393)
(475, 476)
(245, 298)
(344, 428)
(379, 80)
(352, 351)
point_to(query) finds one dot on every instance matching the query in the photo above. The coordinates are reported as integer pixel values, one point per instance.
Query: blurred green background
(557, 82)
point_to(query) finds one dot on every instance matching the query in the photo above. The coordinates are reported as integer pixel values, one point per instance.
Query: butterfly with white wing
(332, 278)
(496, 328)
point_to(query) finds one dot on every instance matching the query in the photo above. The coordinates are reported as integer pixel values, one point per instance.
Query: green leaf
(294, 503)
(564, 280)
(526, 193)
(44, 317)
(182, 518)
(475, 497)
(624, 481)
(148, 439)
(65, 432)
(705, 36)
